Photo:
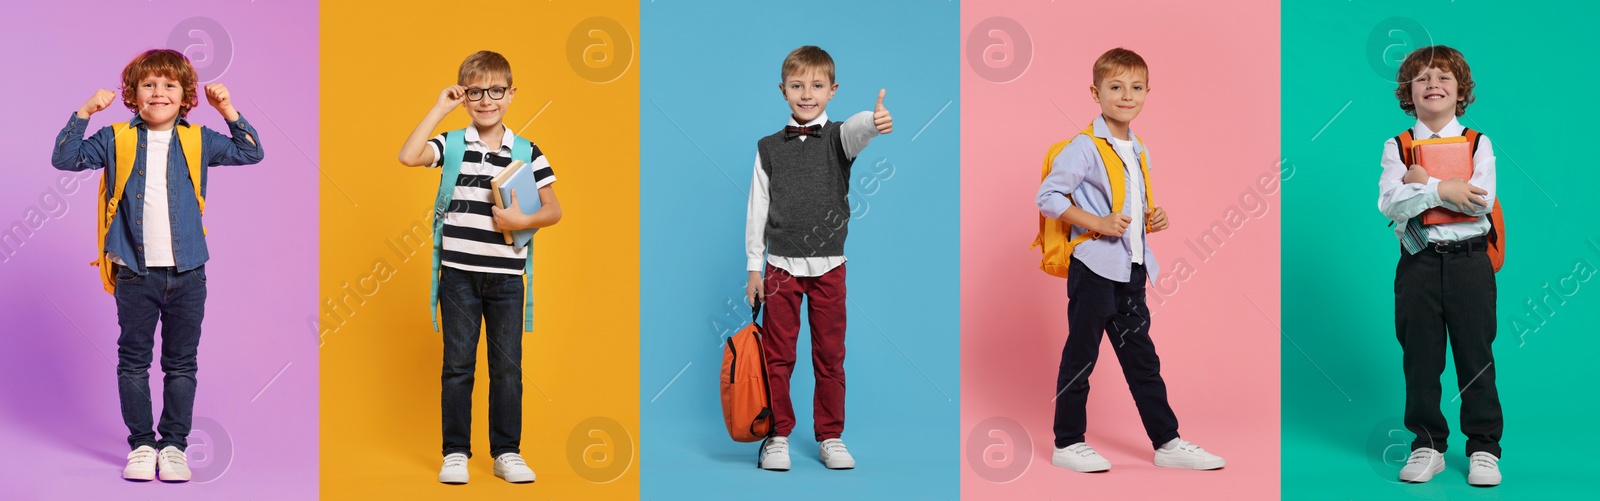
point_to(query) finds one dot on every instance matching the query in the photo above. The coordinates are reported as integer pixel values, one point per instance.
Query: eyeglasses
(474, 94)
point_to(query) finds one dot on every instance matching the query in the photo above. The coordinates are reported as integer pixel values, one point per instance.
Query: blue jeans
(178, 301)
(471, 301)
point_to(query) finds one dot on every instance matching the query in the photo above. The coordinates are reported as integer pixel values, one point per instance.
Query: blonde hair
(1116, 60)
(809, 57)
(484, 63)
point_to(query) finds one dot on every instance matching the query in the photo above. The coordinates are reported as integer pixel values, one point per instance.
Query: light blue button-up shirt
(1079, 172)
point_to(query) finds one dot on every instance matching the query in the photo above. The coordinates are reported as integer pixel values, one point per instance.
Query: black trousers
(1097, 305)
(1440, 297)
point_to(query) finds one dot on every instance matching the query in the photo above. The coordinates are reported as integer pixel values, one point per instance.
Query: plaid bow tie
(791, 132)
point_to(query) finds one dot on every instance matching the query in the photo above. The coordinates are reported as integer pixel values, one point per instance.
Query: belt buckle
(1444, 248)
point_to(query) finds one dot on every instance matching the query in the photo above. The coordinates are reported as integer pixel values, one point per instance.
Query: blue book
(517, 176)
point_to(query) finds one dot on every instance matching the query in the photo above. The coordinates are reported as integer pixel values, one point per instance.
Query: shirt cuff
(755, 264)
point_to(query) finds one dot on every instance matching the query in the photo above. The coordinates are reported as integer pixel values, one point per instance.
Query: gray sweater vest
(807, 182)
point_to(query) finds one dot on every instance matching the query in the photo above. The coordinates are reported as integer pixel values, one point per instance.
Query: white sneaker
(141, 464)
(1180, 453)
(1484, 470)
(835, 456)
(511, 467)
(774, 454)
(454, 470)
(174, 465)
(1080, 458)
(1422, 465)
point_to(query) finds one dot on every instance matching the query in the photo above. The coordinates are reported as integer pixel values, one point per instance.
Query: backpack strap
(522, 149)
(127, 150)
(1402, 142)
(190, 140)
(455, 146)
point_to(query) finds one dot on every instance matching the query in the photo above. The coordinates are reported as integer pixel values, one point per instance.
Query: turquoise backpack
(455, 145)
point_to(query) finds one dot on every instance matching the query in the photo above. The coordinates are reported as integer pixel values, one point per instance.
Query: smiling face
(808, 92)
(159, 101)
(487, 111)
(1435, 93)
(1121, 95)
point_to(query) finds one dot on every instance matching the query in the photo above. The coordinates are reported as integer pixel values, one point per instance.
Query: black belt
(1468, 245)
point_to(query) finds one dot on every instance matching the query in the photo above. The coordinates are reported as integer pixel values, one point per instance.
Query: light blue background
(709, 90)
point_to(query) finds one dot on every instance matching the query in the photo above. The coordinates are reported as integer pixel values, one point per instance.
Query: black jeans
(1439, 297)
(178, 301)
(1097, 305)
(470, 301)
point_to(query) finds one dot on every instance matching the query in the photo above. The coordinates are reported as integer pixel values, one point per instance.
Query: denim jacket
(126, 238)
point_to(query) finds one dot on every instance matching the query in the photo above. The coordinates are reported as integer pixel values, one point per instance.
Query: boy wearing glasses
(477, 275)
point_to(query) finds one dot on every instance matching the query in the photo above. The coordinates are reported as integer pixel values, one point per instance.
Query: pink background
(1211, 122)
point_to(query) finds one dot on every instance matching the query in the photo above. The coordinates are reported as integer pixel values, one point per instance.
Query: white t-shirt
(1134, 199)
(157, 217)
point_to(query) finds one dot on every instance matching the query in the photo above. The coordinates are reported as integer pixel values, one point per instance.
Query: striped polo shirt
(471, 241)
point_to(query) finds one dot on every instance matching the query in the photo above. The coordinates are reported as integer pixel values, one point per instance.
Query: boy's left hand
(509, 218)
(1157, 218)
(217, 95)
(880, 115)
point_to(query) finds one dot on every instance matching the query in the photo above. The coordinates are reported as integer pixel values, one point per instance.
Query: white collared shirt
(855, 133)
(1400, 201)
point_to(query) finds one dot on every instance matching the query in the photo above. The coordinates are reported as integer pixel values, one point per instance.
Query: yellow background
(382, 67)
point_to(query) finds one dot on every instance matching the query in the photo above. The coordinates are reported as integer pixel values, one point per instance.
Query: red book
(1444, 158)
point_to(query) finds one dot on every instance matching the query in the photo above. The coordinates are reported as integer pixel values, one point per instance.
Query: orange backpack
(1052, 239)
(1497, 221)
(746, 400)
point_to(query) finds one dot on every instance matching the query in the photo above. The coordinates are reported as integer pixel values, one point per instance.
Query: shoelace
(175, 457)
(454, 460)
(834, 446)
(1419, 456)
(1081, 450)
(512, 459)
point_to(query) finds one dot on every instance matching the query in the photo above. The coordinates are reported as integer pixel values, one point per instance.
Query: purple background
(256, 409)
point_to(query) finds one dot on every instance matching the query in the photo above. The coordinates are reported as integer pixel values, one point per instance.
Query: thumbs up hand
(880, 115)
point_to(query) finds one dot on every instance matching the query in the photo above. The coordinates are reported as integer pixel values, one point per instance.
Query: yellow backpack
(1053, 234)
(127, 151)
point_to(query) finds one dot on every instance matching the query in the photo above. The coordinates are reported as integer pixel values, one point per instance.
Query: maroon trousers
(781, 329)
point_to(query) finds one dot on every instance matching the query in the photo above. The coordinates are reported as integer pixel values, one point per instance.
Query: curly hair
(1435, 56)
(165, 63)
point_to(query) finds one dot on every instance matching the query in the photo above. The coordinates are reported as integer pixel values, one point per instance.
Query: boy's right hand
(102, 98)
(451, 97)
(753, 289)
(1415, 175)
(1113, 225)
(1456, 191)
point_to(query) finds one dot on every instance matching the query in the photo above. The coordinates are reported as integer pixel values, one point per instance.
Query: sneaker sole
(1202, 466)
(139, 477)
(453, 480)
(1081, 469)
(515, 479)
(850, 466)
(1424, 477)
(172, 479)
(1482, 482)
(773, 467)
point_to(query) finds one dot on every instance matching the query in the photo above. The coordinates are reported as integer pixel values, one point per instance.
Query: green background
(1343, 390)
